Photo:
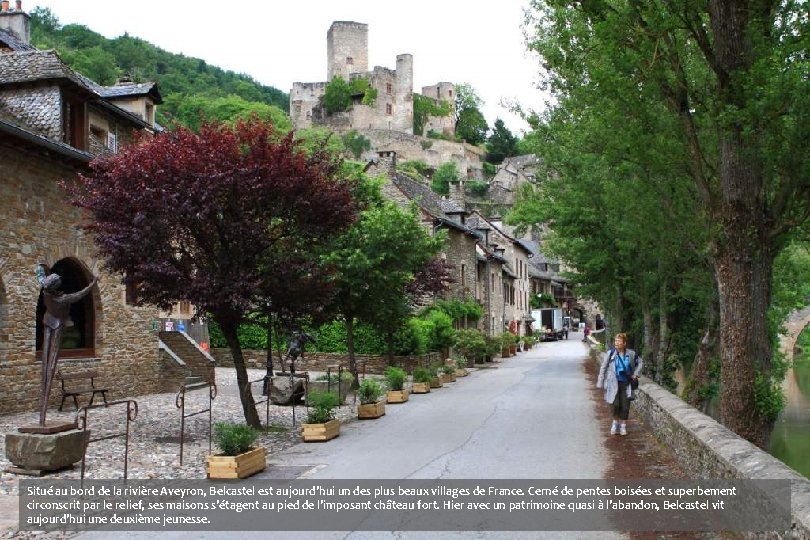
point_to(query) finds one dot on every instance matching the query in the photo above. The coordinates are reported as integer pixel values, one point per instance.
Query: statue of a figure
(56, 318)
(296, 343)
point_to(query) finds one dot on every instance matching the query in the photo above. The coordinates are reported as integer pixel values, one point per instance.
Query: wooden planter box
(240, 466)
(320, 432)
(397, 396)
(462, 372)
(436, 383)
(447, 378)
(371, 410)
(420, 388)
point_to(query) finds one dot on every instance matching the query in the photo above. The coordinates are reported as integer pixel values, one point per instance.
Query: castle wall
(346, 49)
(443, 91)
(303, 100)
(403, 94)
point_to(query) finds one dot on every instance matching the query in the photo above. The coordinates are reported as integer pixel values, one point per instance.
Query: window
(389, 109)
(388, 88)
(349, 61)
(463, 275)
(131, 296)
(184, 307)
(112, 142)
(74, 123)
(150, 113)
(438, 92)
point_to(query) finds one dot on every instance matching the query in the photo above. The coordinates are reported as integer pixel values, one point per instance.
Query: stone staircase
(191, 363)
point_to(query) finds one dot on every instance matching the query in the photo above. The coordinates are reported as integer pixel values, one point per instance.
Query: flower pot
(420, 388)
(461, 372)
(320, 432)
(447, 378)
(396, 396)
(435, 382)
(370, 410)
(240, 466)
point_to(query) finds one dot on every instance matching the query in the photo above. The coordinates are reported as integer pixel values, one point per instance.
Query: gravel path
(154, 449)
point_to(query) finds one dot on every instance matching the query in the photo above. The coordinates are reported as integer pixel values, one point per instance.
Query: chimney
(16, 21)
(457, 192)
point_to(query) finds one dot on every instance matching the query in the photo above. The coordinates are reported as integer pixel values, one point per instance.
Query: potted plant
(371, 406)
(421, 381)
(395, 379)
(461, 368)
(238, 457)
(321, 424)
(435, 381)
(448, 373)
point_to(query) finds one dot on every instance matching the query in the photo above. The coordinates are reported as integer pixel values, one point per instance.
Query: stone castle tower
(347, 57)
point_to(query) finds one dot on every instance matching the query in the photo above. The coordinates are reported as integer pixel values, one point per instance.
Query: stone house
(53, 122)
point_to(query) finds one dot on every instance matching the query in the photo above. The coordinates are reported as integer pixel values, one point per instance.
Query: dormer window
(150, 114)
(74, 123)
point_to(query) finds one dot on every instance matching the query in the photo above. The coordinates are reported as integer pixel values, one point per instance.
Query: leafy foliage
(234, 439)
(322, 407)
(356, 143)
(337, 96)
(446, 173)
(179, 77)
(395, 378)
(370, 391)
(424, 107)
(421, 375)
(501, 143)
(471, 125)
(216, 219)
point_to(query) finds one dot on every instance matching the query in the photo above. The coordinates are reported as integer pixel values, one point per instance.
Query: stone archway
(79, 340)
(796, 322)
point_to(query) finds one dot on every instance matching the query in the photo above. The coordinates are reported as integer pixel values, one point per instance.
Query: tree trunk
(389, 342)
(743, 260)
(350, 347)
(229, 330)
(699, 376)
(663, 334)
(649, 331)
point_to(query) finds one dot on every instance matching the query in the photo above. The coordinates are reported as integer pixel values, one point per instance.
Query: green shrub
(434, 369)
(234, 439)
(395, 377)
(421, 375)
(337, 96)
(322, 407)
(369, 391)
(335, 377)
(448, 369)
(470, 343)
(478, 188)
(461, 363)
(356, 143)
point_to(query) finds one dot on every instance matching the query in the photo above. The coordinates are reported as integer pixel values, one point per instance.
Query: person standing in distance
(620, 366)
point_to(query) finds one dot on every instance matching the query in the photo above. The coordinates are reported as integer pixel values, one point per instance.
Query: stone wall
(40, 226)
(705, 448)
(434, 152)
(315, 361)
(346, 42)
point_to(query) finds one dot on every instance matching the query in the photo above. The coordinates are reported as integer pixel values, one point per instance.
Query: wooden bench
(81, 387)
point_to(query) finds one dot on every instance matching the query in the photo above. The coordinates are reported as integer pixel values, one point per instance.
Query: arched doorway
(78, 341)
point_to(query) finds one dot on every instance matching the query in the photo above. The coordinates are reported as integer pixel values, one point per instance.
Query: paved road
(529, 418)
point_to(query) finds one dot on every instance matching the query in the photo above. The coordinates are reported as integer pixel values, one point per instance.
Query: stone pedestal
(35, 453)
(284, 393)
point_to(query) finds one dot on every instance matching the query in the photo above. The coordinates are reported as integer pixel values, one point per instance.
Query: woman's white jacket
(607, 373)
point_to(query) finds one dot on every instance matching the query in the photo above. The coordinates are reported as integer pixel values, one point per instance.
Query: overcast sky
(277, 43)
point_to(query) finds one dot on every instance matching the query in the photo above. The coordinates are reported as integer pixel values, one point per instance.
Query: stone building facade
(53, 122)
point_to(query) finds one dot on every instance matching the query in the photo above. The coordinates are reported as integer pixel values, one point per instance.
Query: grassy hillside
(189, 86)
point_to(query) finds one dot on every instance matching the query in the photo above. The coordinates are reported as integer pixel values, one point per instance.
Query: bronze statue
(56, 318)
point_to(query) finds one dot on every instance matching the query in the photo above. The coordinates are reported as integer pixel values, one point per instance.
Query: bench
(80, 387)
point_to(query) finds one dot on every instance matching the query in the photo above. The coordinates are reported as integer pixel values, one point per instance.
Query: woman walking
(620, 366)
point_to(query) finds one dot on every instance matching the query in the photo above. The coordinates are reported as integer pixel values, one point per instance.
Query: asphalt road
(529, 417)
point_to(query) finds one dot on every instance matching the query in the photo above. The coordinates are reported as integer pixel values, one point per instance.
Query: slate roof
(431, 203)
(132, 90)
(12, 126)
(12, 42)
(30, 66)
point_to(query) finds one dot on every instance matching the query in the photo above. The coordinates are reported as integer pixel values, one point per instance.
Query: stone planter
(435, 382)
(366, 411)
(420, 388)
(40, 453)
(396, 396)
(447, 378)
(320, 432)
(461, 372)
(240, 466)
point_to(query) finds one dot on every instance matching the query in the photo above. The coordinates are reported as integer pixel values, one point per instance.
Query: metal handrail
(81, 422)
(180, 403)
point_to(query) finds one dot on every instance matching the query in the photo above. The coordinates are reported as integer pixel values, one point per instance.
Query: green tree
(375, 261)
(446, 173)
(471, 125)
(501, 143)
(338, 96)
(727, 76)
